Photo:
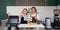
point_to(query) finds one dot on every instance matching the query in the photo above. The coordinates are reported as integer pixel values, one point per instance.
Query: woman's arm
(38, 17)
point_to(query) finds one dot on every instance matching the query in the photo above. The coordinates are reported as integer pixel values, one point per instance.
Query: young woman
(23, 15)
(34, 14)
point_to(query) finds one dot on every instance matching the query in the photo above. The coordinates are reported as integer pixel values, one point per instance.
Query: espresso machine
(56, 18)
(56, 21)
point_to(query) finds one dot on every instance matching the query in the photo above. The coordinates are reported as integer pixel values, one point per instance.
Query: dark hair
(34, 8)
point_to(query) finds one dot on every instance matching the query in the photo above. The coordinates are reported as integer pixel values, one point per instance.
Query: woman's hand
(35, 17)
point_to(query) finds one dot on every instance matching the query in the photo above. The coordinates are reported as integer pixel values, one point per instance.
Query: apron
(23, 21)
(33, 19)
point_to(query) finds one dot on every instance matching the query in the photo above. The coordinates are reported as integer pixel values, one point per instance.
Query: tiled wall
(37, 2)
(3, 4)
(31, 2)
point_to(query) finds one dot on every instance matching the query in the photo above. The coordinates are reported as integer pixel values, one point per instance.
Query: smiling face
(33, 10)
(24, 11)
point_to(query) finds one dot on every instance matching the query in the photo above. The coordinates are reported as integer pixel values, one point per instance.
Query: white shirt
(36, 14)
(26, 18)
(59, 18)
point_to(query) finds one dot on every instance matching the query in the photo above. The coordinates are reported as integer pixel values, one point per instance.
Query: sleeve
(38, 17)
(29, 15)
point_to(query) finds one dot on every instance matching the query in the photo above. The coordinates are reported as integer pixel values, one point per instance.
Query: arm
(38, 17)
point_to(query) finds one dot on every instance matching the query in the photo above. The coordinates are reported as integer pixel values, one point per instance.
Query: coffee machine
(56, 19)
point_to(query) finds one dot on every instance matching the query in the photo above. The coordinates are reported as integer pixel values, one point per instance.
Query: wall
(58, 2)
(37, 2)
(44, 11)
(2, 9)
(52, 2)
(31, 2)
(58, 7)
(3, 4)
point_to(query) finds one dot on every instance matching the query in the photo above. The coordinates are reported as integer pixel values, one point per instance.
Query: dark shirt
(22, 20)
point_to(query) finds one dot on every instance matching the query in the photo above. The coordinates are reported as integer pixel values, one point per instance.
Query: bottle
(48, 22)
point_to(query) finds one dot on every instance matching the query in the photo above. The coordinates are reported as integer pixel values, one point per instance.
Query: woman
(24, 14)
(34, 14)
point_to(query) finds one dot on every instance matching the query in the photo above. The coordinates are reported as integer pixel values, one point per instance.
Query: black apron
(22, 20)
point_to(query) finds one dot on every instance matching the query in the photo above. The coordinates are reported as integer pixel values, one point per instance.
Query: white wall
(44, 11)
(58, 7)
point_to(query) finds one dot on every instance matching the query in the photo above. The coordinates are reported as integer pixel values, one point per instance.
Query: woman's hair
(34, 8)
(24, 9)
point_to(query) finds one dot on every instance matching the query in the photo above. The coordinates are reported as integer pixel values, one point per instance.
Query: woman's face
(24, 11)
(33, 10)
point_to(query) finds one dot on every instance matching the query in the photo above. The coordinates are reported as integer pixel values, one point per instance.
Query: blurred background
(46, 8)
